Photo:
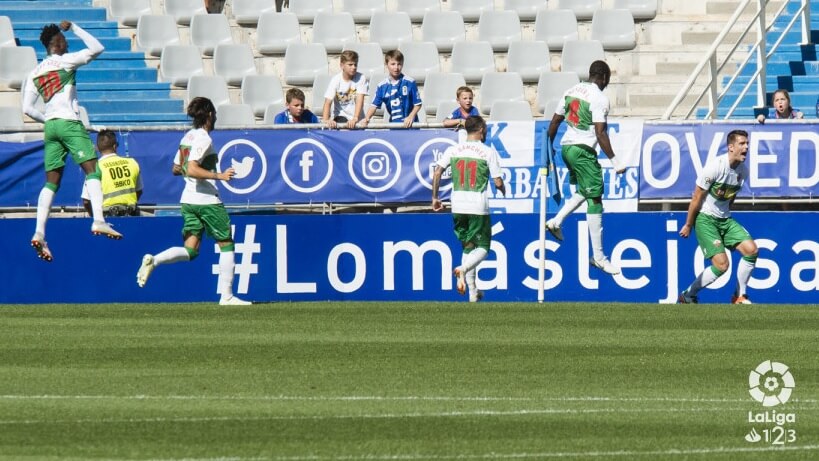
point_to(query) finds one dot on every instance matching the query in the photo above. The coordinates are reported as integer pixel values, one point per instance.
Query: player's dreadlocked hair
(48, 33)
(199, 109)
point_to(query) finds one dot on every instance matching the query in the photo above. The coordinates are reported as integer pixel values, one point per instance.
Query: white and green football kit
(472, 164)
(202, 209)
(714, 227)
(54, 80)
(582, 106)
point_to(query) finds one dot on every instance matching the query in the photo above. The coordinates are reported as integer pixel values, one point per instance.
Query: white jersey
(54, 78)
(343, 94)
(721, 184)
(197, 146)
(473, 163)
(582, 105)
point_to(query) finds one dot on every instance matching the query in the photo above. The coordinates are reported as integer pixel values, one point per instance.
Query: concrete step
(74, 44)
(130, 106)
(47, 12)
(112, 60)
(86, 74)
(154, 118)
(99, 29)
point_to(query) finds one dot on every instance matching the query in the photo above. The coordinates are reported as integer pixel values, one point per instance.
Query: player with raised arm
(709, 214)
(473, 163)
(54, 80)
(585, 109)
(202, 210)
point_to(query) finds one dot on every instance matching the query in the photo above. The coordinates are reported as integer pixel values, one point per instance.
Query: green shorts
(211, 218)
(584, 170)
(714, 235)
(473, 228)
(62, 137)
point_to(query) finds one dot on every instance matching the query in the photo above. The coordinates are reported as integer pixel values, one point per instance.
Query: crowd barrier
(395, 166)
(406, 257)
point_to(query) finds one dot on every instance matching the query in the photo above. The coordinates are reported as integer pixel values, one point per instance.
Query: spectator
(464, 110)
(121, 180)
(710, 215)
(344, 98)
(781, 107)
(202, 210)
(295, 111)
(397, 92)
(585, 110)
(53, 81)
(470, 189)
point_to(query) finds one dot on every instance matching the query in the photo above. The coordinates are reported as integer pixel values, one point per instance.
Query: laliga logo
(771, 383)
(243, 164)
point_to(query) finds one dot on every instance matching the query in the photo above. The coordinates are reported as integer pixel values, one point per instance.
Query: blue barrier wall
(400, 257)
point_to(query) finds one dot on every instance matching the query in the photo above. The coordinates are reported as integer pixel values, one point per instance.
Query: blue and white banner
(398, 257)
(327, 166)
(783, 159)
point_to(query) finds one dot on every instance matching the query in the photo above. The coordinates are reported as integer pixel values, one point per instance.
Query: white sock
(568, 208)
(744, 269)
(596, 234)
(227, 262)
(172, 255)
(706, 277)
(471, 277)
(43, 209)
(473, 258)
(95, 196)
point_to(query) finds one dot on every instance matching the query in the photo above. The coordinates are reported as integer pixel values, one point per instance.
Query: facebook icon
(306, 165)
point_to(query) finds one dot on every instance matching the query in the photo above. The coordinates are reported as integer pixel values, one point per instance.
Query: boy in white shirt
(344, 98)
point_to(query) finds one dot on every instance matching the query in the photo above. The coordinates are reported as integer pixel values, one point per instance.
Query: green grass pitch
(402, 381)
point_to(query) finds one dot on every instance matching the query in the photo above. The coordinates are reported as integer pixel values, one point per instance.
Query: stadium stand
(210, 30)
(303, 62)
(334, 31)
(212, 87)
(500, 29)
(11, 117)
(443, 28)
(127, 12)
(390, 29)
(271, 111)
(259, 91)
(155, 31)
(473, 60)
(578, 55)
(614, 29)
(363, 10)
(555, 27)
(471, 9)
(248, 12)
(529, 59)
(416, 9)
(276, 31)
(306, 10)
(234, 116)
(669, 39)
(500, 86)
(6, 32)
(179, 63)
(370, 57)
(233, 62)
(183, 10)
(440, 87)
(510, 111)
(550, 88)
(15, 64)
(526, 9)
(420, 58)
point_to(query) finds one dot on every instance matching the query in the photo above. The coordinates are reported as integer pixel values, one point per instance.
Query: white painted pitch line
(447, 414)
(381, 398)
(540, 455)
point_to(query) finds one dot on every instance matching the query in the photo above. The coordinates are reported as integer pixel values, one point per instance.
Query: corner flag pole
(541, 269)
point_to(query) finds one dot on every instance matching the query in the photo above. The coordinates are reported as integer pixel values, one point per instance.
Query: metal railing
(759, 76)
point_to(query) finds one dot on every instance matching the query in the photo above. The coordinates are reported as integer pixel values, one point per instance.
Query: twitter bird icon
(242, 168)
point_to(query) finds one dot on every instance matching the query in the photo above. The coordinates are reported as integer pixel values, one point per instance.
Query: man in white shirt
(585, 109)
(53, 80)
